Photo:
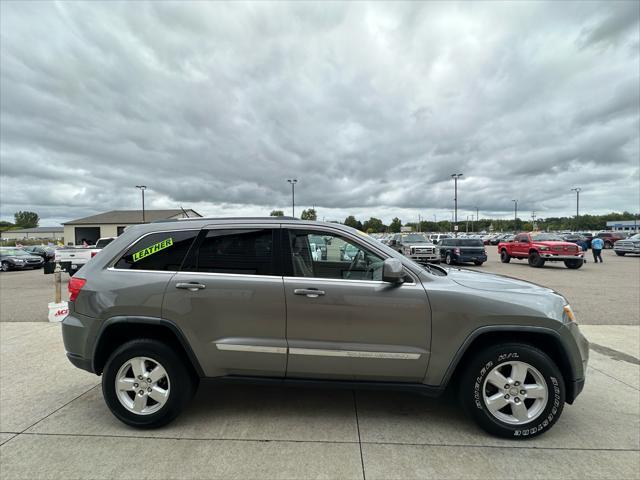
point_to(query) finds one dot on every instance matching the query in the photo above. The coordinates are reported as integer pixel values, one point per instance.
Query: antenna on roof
(184, 211)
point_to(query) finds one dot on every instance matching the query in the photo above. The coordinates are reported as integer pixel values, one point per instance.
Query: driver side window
(327, 255)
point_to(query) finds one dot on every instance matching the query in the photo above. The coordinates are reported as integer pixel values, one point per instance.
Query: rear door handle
(309, 292)
(191, 286)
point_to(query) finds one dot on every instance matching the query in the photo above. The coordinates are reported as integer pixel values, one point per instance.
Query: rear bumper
(471, 258)
(78, 334)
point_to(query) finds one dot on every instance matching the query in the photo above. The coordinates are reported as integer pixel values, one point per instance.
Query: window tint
(241, 251)
(158, 251)
(327, 255)
(469, 242)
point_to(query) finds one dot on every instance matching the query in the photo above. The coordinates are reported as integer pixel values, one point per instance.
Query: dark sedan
(47, 253)
(18, 259)
(460, 250)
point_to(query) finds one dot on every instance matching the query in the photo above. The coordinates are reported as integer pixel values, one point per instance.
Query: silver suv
(167, 304)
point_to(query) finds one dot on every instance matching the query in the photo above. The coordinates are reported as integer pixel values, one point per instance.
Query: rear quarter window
(158, 251)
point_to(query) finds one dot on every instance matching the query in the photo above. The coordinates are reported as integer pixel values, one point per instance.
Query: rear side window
(245, 251)
(470, 242)
(159, 251)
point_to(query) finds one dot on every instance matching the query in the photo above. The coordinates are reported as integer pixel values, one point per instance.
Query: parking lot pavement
(54, 424)
(24, 295)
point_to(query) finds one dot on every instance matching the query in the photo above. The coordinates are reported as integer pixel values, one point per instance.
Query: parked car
(629, 245)
(437, 237)
(166, 304)
(46, 253)
(610, 238)
(72, 259)
(18, 259)
(416, 246)
(539, 248)
(461, 250)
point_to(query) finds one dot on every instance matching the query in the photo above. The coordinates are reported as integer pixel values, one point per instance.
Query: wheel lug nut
(517, 400)
(517, 384)
(149, 389)
(141, 392)
(148, 380)
(135, 385)
(139, 377)
(507, 386)
(523, 392)
(506, 397)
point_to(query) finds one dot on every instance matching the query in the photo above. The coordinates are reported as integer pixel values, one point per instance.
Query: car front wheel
(478, 263)
(4, 266)
(620, 254)
(448, 259)
(146, 384)
(513, 391)
(573, 264)
(504, 257)
(535, 260)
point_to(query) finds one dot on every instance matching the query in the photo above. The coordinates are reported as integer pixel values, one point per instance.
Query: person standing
(597, 245)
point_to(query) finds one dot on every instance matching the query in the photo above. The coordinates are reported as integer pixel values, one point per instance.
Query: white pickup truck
(71, 259)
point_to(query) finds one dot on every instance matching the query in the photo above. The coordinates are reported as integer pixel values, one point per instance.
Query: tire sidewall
(448, 260)
(181, 385)
(504, 256)
(472, 395)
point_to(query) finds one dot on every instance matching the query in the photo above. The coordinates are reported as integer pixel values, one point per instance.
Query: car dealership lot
(54, 423)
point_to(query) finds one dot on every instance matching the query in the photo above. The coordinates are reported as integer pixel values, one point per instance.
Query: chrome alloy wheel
(514, 392)
(142, 385)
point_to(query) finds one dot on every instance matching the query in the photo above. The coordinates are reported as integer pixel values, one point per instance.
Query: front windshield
(16, 252)
(635, 237)
(546, 237)
(414, 238)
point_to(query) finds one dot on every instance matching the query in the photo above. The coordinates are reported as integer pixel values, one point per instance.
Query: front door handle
(191, 286)
(309, 292)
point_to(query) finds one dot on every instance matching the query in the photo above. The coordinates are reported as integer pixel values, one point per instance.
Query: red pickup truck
(539, 248)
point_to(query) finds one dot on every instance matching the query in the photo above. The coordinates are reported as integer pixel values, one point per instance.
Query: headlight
(568, 313)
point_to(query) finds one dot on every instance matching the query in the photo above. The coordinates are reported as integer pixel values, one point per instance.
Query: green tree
(26, 219)
(309, 214)
(394, 226)
(373, 225)
(351, 221)
(276, 213)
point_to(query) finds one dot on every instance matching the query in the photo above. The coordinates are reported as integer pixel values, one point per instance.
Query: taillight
(75, 285)
(93, 254)
(456, 251)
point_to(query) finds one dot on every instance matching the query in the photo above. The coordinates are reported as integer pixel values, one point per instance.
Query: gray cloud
(371, 106)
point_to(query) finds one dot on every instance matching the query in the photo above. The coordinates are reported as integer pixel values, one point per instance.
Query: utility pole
(293, 182)
(477, 215)
(515, 216)
(577, 190)
(455, 177)
(533, 218)
(142, 189)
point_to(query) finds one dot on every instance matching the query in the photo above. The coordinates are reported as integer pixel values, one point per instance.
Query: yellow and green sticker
(151, 249)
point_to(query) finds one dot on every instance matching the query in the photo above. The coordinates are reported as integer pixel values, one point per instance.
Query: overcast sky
(370, 106)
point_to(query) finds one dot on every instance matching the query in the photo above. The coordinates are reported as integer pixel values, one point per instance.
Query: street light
(142, 189)
(293, 182)
(455, 177)
(577, 190)
(515, 216)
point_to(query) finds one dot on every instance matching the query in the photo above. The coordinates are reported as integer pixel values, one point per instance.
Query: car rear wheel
(504, 256)
(535, 260)
(573, 264)
(4, 266)
(146, 384)
(513, 391)
(620, 254)
(608, 245)
(448, 259)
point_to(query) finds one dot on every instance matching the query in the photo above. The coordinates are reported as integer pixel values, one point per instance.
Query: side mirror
(392, 271)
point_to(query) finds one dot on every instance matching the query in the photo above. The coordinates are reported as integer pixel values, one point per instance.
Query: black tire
(183, 383)
(448, 259)
(573, 264)
(504, 256)
(473, 383)
(478, 263)
(5, 267)
(535, 260)
(608, 245)
(620, 254)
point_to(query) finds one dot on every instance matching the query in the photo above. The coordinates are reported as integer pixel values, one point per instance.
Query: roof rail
(192, 219)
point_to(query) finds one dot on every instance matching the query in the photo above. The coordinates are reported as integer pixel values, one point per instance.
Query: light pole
(515, 216)
(455, 177)
(577, 190)
(293, 182)
(142, 189)
(477, 216)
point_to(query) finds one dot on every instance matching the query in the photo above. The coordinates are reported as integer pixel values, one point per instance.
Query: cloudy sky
(370, 106)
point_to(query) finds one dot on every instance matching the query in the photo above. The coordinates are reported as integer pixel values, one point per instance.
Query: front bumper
(626, 249)
(577, 347)
(550, 256)
(425, 258)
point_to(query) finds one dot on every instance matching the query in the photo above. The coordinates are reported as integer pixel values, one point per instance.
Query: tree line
(584, 222)
(22, 219)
